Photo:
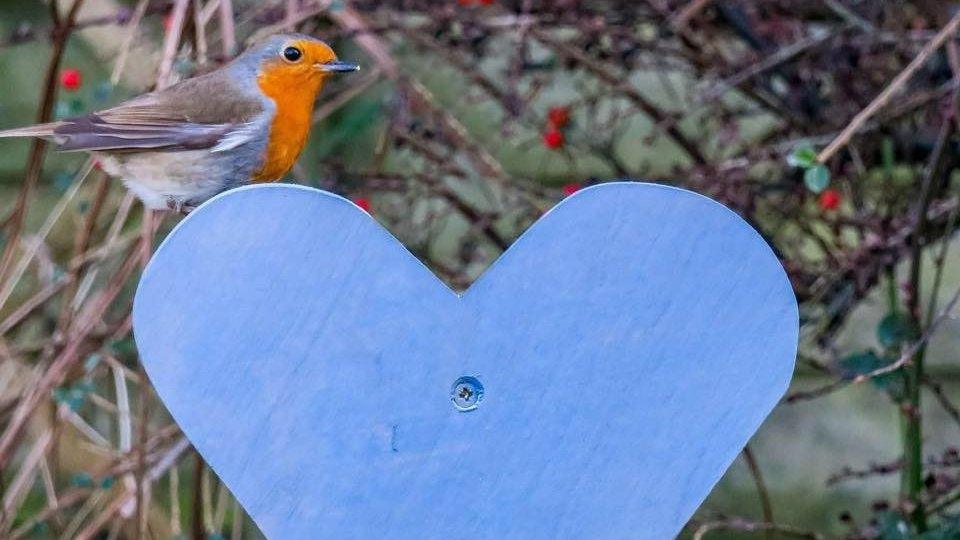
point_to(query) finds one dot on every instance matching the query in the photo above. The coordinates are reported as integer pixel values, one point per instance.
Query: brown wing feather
(194, 114)
(39, 130)
(96, 132)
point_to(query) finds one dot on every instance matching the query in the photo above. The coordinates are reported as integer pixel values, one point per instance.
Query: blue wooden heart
(594, 383)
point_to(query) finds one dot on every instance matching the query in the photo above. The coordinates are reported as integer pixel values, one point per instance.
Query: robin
(245, 122)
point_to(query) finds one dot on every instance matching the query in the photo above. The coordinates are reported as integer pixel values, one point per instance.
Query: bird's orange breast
(294, 97)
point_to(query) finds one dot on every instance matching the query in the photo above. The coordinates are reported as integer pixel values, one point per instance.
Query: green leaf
(866, 362)
(62, 180)
(103, 91)
(896, 329)
(860, 364)
(68, 397)
(947, 532)
(802, 156)
(76, 106)
(124, 348)
(81, 479)
(61, 110)
(74, 395)
(893, 527)
(817, 178)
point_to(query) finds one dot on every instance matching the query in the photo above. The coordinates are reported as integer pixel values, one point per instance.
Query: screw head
(466, 393)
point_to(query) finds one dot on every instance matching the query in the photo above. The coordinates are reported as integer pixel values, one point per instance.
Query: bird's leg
(179, 206)
(174, 204)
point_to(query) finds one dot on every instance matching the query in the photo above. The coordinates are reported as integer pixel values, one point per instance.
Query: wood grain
(628, 345)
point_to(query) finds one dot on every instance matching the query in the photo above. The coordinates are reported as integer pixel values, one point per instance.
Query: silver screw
(466, 394)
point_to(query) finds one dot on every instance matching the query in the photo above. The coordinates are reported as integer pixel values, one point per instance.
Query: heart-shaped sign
(594, 383)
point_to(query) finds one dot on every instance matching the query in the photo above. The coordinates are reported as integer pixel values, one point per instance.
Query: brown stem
(61, 33)
(141, 471)
(70, 354)
(891, 90)
(198, 532)
(765, 504)
(81, 242)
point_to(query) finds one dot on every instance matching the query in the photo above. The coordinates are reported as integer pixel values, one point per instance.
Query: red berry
(553, 138)
(71, 79)
(558, 117)
(571, 188)
(485, 2)
(465, 2)
(167, 21)
(829, 199)
(363, 203)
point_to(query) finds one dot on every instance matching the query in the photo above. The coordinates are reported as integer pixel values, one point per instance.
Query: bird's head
(294, 61)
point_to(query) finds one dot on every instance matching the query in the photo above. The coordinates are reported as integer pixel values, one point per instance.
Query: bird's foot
(179, 206)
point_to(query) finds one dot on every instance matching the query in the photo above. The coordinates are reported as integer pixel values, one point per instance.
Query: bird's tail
(39, 130)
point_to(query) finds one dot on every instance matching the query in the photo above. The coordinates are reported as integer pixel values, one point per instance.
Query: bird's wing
(147, 123)
(200, 113)
(131, 130)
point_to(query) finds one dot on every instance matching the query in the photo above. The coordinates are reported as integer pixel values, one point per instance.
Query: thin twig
(34, 302)
(81, 243)
(688, 12)
(62, 31)
(131, 28)
(171, 43)
(743, 525)
(54, 216)
(881, 100)
(849, 16)
(941, 396)
(56, 372)
(875, 469)
(903, 360)
(622, 85)
(765, 504)
(24, 478)
(228, 35)
(781, 56)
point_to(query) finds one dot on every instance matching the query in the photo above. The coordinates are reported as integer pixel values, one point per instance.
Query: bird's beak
(336, 66)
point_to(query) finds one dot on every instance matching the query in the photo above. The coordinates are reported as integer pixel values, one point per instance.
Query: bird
(246, 122)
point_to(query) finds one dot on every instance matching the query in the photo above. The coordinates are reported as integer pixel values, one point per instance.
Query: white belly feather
(158, 177)
(189, 177)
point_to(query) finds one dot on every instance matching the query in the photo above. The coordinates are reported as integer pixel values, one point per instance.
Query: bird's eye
(292, 54)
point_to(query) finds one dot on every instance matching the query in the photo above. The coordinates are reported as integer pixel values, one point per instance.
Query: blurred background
(830, 125)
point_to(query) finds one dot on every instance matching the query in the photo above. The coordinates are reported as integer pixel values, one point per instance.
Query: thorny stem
(913, 417)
